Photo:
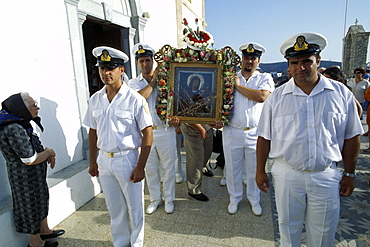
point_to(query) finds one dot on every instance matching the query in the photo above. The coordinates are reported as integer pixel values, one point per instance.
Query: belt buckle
(247, 128)
(110, 155)
(154, 127)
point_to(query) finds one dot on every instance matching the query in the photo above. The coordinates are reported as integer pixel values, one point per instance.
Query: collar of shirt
(123, 89)
(141, 78)
(240, 75)
(324, 83)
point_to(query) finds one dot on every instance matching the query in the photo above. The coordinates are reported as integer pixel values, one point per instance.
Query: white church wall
(43, 54)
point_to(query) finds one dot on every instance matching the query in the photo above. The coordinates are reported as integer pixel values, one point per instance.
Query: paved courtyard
(193, 223)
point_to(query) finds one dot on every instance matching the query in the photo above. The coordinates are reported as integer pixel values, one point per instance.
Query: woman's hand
(51, 157)
(51, 161)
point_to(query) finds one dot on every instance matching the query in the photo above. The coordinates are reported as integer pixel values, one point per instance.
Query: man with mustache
(307, 126)
(163, 151)
(239, 136)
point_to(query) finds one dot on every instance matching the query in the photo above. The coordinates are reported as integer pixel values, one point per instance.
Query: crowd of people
(306, 126)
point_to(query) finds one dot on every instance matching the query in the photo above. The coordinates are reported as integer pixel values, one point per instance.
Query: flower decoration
(164, 92)
(197, 40)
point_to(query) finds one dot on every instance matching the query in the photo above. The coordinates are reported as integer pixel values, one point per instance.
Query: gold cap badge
(105, 56)
(300, 44)
(141, 50)
(250, 48)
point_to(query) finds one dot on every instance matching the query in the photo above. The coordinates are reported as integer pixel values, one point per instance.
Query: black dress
(28, 182)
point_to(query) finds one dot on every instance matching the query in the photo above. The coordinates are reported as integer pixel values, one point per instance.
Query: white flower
(360, 206)
(344, 243)
(226, 107)
(163, 101)
(365, 224)
(345, 226)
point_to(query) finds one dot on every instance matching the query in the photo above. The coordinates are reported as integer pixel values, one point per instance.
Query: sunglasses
(358, 73)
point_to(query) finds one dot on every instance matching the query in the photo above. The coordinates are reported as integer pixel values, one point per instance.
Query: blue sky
(270, 22)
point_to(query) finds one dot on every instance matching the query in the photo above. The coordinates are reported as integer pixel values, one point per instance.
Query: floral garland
(226, 57)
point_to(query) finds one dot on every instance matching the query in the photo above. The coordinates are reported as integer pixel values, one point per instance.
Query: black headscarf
(15, 111)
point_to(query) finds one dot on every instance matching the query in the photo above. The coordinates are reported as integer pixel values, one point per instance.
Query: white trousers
(310, 197)
(178, 167)
(162, 155)
(124, 199)
(240, 155)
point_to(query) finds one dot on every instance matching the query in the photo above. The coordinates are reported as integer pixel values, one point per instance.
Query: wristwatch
(351, 175)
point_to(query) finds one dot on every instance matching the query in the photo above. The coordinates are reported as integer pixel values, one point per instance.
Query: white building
(46, 47)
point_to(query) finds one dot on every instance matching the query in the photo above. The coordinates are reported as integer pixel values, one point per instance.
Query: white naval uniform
(239, 139)
(307, 133)
(163, 151)
(118, 125)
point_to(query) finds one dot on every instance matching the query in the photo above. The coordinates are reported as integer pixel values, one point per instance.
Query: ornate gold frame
(219, 64)
(192, 107)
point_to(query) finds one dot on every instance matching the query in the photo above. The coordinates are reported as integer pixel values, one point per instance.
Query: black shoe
(54, 234)
(200, 197)
(51, 244)
(207, 172)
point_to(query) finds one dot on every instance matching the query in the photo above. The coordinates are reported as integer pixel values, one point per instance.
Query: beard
(248, 69)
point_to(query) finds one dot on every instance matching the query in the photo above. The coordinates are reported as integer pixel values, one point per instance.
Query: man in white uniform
(120, 124)
(239, 136)
(307, 126)
(163, 151)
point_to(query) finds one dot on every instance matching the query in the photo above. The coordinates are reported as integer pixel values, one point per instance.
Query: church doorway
(97, 33)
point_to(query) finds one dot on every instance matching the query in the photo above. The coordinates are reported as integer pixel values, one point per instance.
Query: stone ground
(193, 223)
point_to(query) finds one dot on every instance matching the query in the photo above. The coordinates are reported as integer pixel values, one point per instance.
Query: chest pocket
(335, 122)
(285, 127)
(125, 117)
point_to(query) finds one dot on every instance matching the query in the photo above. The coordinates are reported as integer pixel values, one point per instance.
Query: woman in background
(359, 86)
(336, 74)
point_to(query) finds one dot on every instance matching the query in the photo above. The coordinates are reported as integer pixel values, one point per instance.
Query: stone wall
(355, 49)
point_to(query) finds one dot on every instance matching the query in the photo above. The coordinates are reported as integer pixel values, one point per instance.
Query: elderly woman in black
(26, 161)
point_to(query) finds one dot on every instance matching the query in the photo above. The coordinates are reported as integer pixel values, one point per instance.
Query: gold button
(246, 128)
(110, 155)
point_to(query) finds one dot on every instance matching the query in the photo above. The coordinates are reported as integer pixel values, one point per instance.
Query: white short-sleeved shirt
(139, 83)
(118, 123)
(246, 112)
(358, 89)
(308, 131)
